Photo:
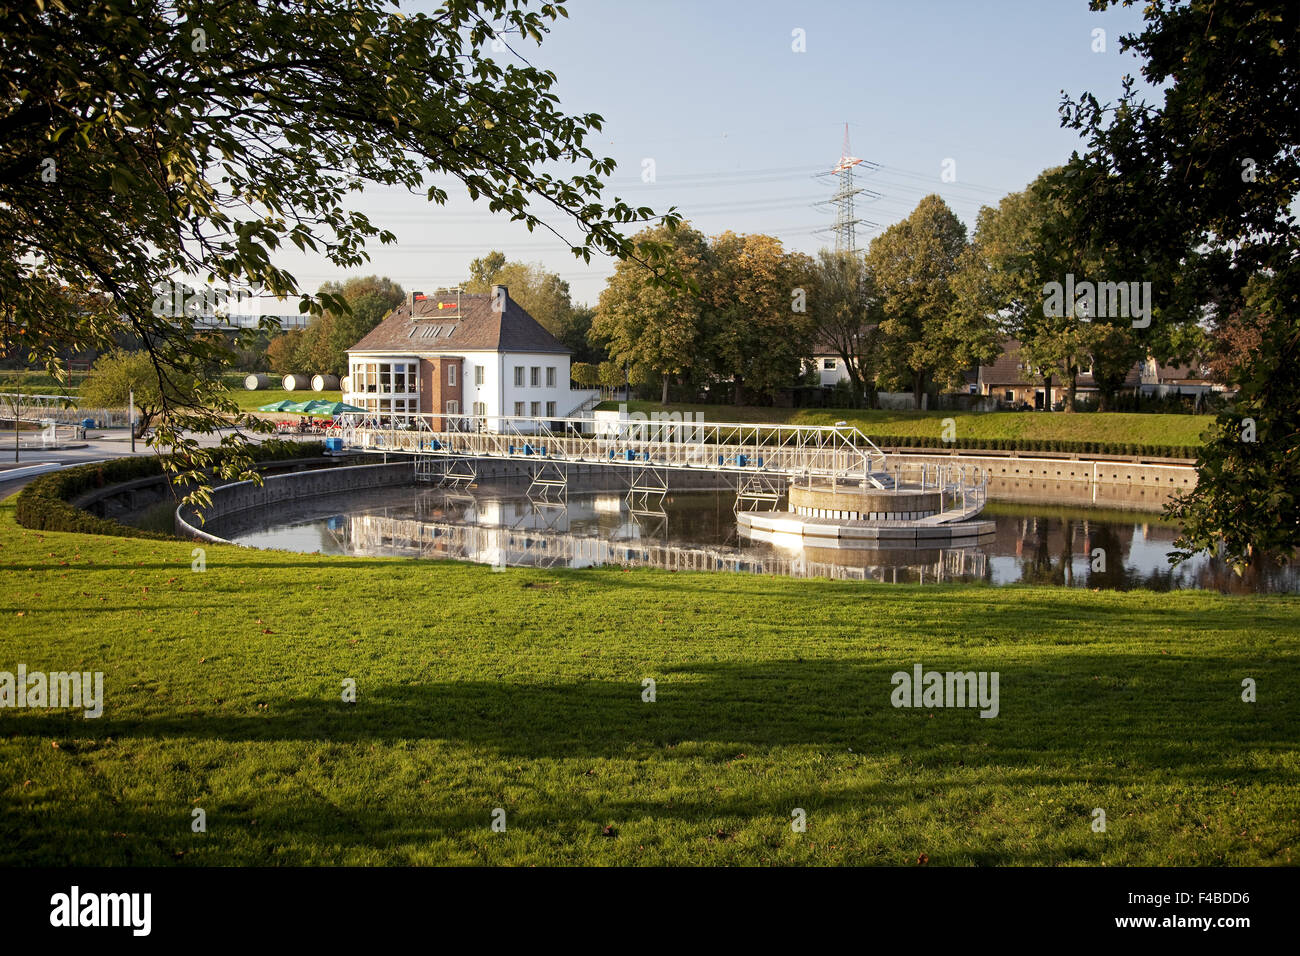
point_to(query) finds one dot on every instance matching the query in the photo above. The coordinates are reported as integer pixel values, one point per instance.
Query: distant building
(1161, 380)
(455, 353)
(1010, 382)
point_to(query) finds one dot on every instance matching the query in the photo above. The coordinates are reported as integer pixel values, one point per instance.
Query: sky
(738, 123)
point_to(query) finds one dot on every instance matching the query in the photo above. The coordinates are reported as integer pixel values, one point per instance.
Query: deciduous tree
(146, 141)
(657, 326)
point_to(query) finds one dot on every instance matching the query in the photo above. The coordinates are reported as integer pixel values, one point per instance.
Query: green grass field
(521, 690)
(1123, 427)
(251, 401)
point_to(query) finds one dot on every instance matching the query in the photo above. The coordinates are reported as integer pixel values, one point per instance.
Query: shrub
(45, 503)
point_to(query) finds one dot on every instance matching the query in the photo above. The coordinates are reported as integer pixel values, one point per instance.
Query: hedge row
(45, 503)
(1039, 444)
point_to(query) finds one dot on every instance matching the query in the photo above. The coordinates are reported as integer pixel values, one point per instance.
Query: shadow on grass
(1184, 715)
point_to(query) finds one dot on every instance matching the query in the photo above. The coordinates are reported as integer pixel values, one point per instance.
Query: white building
(463, 354)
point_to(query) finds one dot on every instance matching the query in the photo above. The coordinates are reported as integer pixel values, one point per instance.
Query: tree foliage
(145, 140)
(651, 325)
(845, 307)
(542, 294)
(119, 376)
(914, 261)
(758, 328)
(1204, 182)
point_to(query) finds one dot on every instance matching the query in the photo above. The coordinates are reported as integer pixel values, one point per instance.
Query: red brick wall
(434, 390)
(452, 393)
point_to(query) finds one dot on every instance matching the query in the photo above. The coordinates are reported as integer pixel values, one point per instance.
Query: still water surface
(1071, 546)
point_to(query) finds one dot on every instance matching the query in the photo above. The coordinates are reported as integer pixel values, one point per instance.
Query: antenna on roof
(446, 305)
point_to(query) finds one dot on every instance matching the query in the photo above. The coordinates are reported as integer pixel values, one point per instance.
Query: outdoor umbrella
(322, 407)
(281, 406)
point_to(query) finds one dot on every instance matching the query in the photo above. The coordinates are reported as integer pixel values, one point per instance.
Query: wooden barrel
(293, 383)
(257, 381)
(324, 383)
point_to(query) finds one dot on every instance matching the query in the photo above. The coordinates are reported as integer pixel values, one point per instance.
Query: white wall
(498, 391)
(564, 399)
(828, 376)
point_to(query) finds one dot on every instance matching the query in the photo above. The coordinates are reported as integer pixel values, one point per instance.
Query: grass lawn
(522, 690)
(1154, 429)
(252, 401)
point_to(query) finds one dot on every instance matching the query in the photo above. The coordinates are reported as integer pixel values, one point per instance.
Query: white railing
(962, 487)
(838, 453)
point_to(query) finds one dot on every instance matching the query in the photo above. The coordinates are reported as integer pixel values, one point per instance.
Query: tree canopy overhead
(141, 140)
(1204, 183)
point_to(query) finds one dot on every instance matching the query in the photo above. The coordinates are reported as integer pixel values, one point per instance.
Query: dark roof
(1181, 373)
(422, 328)
(1006, 370)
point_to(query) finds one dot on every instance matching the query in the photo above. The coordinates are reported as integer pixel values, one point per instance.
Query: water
(1070, 546)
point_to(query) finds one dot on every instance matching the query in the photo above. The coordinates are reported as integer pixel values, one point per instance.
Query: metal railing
(962, 487)
(834, 453)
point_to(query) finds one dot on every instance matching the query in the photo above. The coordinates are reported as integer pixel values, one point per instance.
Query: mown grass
(522, 690)
(251, 401)
(1113, 427)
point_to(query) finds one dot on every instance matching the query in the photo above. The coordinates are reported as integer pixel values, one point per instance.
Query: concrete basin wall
(868, 504)
(244, 495)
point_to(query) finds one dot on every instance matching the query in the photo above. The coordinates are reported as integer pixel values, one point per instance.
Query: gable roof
(1006, 370)
(417, 327)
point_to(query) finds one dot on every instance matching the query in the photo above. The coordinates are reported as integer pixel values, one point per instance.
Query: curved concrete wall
(871, 504)
(244, 495)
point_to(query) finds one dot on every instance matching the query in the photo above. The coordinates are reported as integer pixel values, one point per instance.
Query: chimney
(500, 298)
(413, 298)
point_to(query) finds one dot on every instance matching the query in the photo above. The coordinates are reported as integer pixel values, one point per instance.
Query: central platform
(783, 527)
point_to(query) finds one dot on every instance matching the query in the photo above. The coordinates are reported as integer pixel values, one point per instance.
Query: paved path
(100, 445)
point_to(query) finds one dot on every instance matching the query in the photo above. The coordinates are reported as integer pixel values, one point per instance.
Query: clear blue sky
(738, 124)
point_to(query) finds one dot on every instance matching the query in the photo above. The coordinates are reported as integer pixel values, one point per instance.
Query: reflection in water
(697, 531)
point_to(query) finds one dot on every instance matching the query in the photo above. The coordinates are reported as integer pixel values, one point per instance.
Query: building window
(1010, 396)
(550, 376)
(536, 409)
(480, 408)
(519, 376)
(535, 376)
(478, 374)
(451, 375)
(550, 409)
(453, 407)
(519, 409)
(828, 364)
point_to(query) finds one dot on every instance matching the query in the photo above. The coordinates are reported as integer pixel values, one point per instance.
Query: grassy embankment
(251, 401)
(522, 690)
(1108, 427)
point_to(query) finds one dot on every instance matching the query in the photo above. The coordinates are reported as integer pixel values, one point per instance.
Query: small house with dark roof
(1011, 382)
(457, 353)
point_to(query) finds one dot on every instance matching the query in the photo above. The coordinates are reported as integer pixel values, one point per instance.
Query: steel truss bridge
(763, 459)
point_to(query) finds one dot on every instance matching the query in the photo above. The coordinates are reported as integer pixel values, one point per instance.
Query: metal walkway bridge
(754, 452)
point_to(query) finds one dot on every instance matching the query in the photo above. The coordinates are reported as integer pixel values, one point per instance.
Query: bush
(1054, 445)
(45, 503)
